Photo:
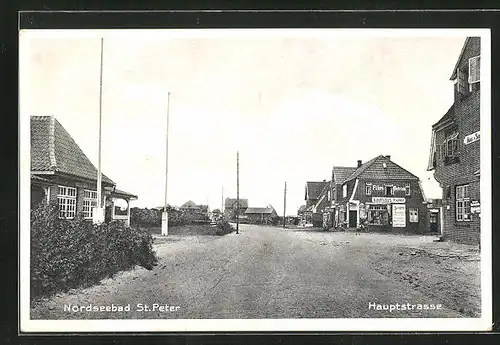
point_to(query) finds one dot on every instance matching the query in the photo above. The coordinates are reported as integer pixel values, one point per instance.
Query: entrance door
(353, 217)
(434, 219)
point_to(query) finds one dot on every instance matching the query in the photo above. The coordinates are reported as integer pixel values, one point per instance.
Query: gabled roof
(54, 150)
(471, 47)
(323, 196)
(447, 118)
(454, 74)
(313, 189)
(259, 210)
(373, 169)
(340, 174)
(229, 203)
(190, 204)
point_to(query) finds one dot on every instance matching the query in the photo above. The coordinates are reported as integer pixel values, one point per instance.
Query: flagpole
(98, 217)
(164, 220)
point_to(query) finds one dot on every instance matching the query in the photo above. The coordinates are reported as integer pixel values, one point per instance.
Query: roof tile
(53, 149)
(373, 169)
(314, 189)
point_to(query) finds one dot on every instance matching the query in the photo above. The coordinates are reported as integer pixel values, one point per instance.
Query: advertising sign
(399, 216)
(362, 211)
(387, 200)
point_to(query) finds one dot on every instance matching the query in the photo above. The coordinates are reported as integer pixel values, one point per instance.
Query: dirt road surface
(266, 272)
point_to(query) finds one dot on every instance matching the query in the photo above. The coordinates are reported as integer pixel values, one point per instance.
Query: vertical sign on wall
(399, 215)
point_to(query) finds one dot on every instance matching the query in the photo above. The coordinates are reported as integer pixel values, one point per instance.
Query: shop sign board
(399, 215)
(471, 138)
(475, 206)
(387, 200)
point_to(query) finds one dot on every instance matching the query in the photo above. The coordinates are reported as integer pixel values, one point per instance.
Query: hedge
(67, 254)
(149, 218)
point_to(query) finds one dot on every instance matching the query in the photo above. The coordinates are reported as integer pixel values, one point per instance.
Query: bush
(223, 228)
(67, 254)
(142, 217)
(152, 218)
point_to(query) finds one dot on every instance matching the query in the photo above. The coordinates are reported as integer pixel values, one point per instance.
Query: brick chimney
(388, 157)
(360, 162)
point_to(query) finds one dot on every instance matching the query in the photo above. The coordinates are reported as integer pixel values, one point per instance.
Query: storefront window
(378, 215)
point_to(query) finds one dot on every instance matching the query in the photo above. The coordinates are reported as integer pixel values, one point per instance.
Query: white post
(98, 214)
(164, 217)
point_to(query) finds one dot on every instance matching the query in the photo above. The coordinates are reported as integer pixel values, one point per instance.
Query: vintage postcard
(210, 180)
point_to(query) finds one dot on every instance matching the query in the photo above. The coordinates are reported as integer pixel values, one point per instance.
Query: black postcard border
(190, 18)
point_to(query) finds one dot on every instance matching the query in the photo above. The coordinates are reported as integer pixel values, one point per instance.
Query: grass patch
(198, 229)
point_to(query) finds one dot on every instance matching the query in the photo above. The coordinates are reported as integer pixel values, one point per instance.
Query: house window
(407, 189)
(329, 195)
(344, 191)
(389, 190)
(413, 215)
(462, 203)
(89, 202)
(66, 197)
(451, 145)
(368, 189)
(450, 148)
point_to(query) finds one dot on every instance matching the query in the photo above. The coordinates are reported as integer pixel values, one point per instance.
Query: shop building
(379, 194)
(455, 150)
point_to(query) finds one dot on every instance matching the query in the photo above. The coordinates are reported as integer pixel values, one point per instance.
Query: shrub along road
(262, 272)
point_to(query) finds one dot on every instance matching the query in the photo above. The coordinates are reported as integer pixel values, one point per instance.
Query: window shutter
(474, 68)
(462, 86)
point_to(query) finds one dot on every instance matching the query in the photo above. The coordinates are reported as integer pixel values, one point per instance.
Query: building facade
(380, 195)
(260, 215)
(231, 208)
(61, 174)
(455, 150)
(315, 202)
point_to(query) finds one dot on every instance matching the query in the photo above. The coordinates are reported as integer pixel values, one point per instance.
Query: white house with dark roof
(379, 193)
(62, 174)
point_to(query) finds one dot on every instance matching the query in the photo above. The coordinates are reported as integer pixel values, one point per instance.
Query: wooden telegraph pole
(98, 211)
(237, 192)
(164, 220)
(284, 208)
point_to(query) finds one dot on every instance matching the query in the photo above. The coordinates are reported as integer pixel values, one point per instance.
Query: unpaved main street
(266, 272)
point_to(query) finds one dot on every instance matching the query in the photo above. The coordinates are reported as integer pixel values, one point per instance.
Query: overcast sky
(293, 105)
